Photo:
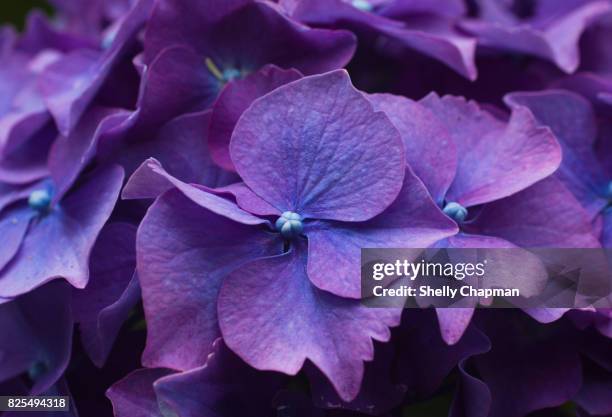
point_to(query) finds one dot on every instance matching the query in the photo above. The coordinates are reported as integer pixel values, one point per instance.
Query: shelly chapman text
(423, 268)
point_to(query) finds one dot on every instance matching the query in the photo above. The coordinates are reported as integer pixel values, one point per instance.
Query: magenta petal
(134, 396)
(334, 250)
(59, 243)
(151, 180)
(184, 252)
(314, 147)
(333, 333)
(496, 159)
(101, 308)
(234, 99)
(430, 150)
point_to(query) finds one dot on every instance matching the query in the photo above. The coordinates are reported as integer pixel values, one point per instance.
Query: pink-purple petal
(314, 147)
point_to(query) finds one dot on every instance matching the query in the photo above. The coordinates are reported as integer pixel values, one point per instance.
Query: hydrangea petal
(70, 155)
(427, 142)
(184, 252)
(334, 333)
(151, 179)
(37, 332)
(423, 370)
(134, 396)
(556, 39)
(472, 398)
(234, 99)
(554, 374)
(265, 36)
(211, 390)
(180, 145)
(541, 225)
(314, 147)
(334, 250)
(59, 243)
(572, 120)
(495, 159)
(101, 308)
(70, 84)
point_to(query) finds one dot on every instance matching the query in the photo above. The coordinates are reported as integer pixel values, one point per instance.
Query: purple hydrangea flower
(296, 149)
(489, 177)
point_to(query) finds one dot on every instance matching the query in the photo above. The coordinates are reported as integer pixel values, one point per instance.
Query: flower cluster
(209, 170)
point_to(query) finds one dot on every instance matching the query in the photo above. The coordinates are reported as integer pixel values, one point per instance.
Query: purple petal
(307, 146)
(428, 143)
(102, 307)
(234, 99)
(134, 395)
(548, 216)
(212, 390)
(180, 145)
(422, 371)
(572, 120)
(13, 227)
(334, 250)
(70, 155)
(58, 244)
(555, 39)
(335, 334)
(473, 397)
(184, 252)
(495, 159)
(70, 84)
(548, 377)
(378, 394)
(265, 36)
(37, 334)
(151, 180)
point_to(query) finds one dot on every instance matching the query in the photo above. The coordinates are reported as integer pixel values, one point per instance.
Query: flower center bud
(40, 200)
(455, 211)
(37, 369)
(289, 224)
(362, 5)
(226, 75)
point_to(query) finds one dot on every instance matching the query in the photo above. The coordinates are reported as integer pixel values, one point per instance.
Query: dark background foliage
(14, 11)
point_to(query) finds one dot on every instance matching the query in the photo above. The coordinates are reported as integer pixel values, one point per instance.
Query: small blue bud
(455, 211)
(362, 5)
(37, 369)
(231, 74)
(289, 224)
(40, 200)
(608, 190)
